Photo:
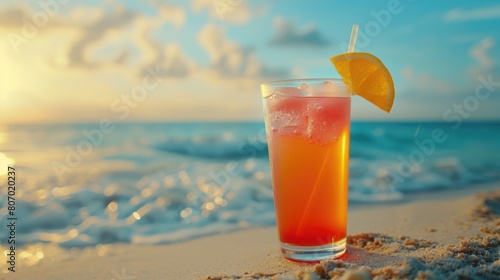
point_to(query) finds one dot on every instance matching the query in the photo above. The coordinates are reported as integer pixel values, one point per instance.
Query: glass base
(313, 253)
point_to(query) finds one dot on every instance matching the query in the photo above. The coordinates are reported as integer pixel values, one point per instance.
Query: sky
(203, 60)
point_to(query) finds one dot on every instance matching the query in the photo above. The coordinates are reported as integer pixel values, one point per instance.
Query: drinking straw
(352, 42)
(354, 35)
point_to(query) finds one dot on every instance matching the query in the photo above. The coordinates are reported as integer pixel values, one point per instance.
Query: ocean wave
(198, 199)
(205, 184)
(166, 206)
(215, 148)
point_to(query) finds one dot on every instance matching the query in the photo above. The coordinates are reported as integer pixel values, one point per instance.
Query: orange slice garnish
(367, 76)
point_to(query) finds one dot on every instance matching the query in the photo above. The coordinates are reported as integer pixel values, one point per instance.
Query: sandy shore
(434, 235)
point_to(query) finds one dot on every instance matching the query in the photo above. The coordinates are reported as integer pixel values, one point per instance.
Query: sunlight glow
(5, 162)
(3, 70)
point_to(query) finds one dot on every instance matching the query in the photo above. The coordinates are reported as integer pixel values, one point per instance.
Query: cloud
(171, 62)
(169, 13)
(231, 60)
(225, 10)
(85, 29)
(21, 18)
(13, 17)
(88, 55)
(484, 13)
(92, 34)
(88, 38)
(424, 83)
(84, 15)
(166, 58)
(176, 63)
(408, 72)
(118, 24)
(288, 35)
(479, 52)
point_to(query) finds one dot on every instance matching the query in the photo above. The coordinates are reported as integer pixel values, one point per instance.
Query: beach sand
(435, 235)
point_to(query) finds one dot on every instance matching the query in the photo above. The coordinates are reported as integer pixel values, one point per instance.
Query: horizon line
(235, 121)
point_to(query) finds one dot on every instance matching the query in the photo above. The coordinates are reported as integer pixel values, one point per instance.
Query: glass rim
(268, 88)
(302, 79)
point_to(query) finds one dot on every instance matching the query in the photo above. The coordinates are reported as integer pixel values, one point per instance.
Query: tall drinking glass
(307, 125)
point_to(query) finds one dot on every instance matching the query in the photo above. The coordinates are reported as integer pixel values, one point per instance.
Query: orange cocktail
(307, 124)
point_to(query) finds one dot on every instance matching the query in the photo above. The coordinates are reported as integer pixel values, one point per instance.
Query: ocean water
(152, 183)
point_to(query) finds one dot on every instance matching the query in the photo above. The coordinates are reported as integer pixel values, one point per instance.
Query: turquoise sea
(151, 183)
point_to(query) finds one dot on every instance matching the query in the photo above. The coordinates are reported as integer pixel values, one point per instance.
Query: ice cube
(288, 123)
(288, 111)
(327, 89)
(287, 99)
(291, 91)
(328, 118)
(306, 90)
